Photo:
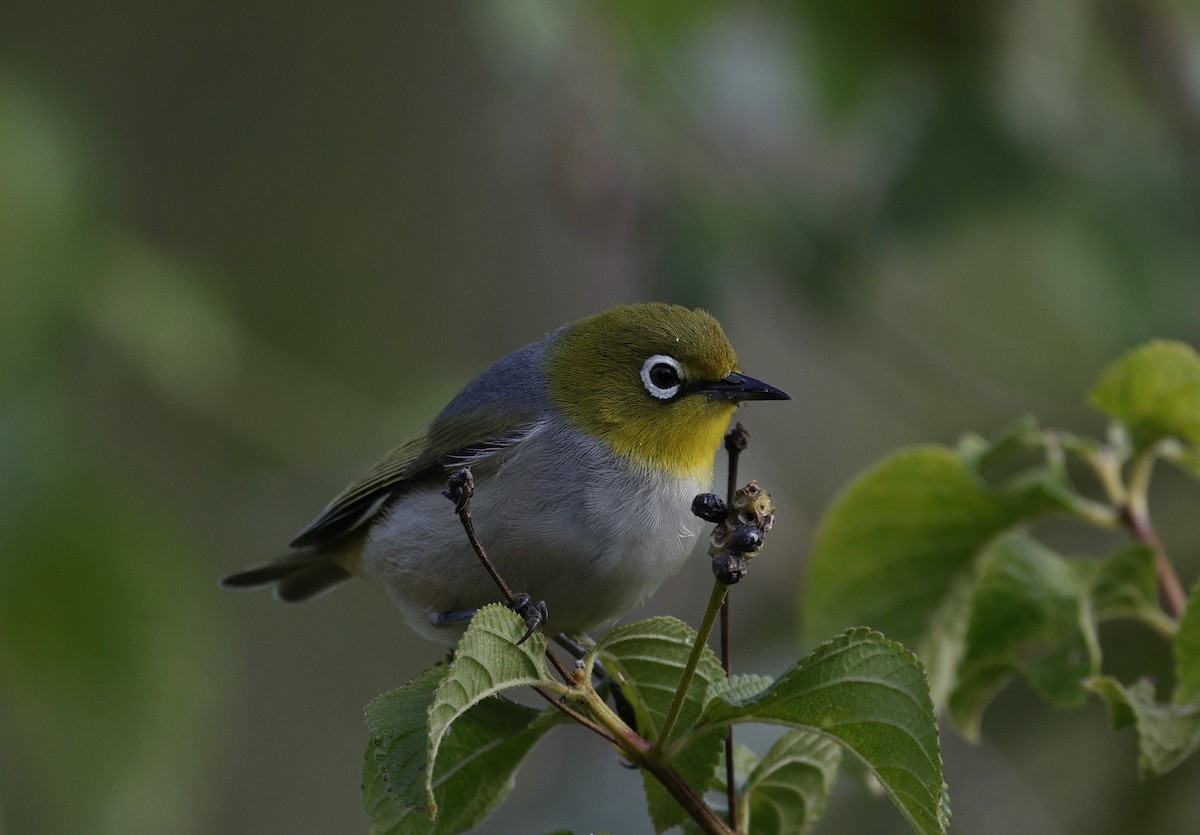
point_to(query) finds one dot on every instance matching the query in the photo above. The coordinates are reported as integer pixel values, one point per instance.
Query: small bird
(586, 449)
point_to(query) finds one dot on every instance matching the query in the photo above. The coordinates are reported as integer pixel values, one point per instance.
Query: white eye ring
(660, 369)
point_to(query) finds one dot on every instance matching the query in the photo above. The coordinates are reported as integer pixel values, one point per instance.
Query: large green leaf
(647, 659)
(486, 661)
(397, 756)
(891, 547)
(787, 791)
(870, 695)
(1155, 392)
(1030, 616)
(475, 766)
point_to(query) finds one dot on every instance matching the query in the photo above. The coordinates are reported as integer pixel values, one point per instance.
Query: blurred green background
(245, 248)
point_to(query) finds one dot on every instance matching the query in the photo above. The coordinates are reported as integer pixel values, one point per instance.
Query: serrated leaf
(739, 688)
(399, 725)
(486, 661)
(475, 767)
(1029, 616)
(891, 547)
(1187, 652)
(870, 695)
(647, 659)
(1154, 391)
(788, 790)
(1167, 733)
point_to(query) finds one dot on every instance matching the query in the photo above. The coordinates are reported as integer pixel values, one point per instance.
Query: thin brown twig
(1175, 598)
(558, 666)
(578, 717)
(736, 440)
(695, 806)
(461, 491)
(644, 755)
(1135, 514)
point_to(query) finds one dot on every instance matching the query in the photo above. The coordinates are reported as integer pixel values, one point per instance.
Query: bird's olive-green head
(658, 383)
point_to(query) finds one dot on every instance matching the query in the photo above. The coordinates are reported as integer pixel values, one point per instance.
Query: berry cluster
(740, 529)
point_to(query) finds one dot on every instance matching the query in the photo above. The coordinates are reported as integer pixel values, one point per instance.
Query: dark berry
(746, 539)
(709, 507)
(729, 567)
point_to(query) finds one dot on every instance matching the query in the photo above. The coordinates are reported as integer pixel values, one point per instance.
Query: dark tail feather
(300, 576)
(307, 582)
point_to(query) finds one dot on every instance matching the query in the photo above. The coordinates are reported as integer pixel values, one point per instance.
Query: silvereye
(587, 449)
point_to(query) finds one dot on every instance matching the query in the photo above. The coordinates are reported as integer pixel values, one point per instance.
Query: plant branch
(461, 489)
(558, 667)
(736, 440)
(689, 671)
(1136, 516)
(644, 755)
(567, 710)
(700, 812)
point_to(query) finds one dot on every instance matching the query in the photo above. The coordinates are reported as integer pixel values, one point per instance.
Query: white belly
(593, 545)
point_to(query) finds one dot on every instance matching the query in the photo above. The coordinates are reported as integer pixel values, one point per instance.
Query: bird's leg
(534, 615)
(455, 617)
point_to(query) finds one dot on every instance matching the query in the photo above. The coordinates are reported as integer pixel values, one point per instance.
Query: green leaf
(486, 661)
(788, 790)
(1187, 652)
(647, 659)
(891, 547)
(1029, 616)
(475, 767)
(1022, 464)
(1155, 392)
(396, 758)
(946, 639)
(1014, 449)
(1186, 458)
(1125, 585)
(745, 760)
(870, 695)
(1167, 733)
(740, 688)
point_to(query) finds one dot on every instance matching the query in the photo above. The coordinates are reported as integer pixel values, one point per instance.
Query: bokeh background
(245, 248)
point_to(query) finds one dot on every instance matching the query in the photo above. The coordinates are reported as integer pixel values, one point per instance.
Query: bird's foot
(534, 614)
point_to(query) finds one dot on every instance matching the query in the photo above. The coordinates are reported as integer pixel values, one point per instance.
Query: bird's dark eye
(662, 376)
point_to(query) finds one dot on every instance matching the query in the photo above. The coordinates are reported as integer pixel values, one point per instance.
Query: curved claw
(534, 614)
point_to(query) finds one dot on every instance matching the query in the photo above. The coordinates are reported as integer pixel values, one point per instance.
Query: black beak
(740, 387)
